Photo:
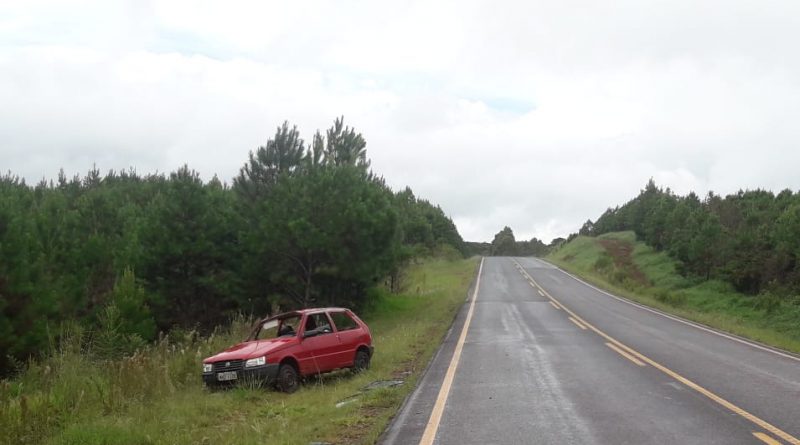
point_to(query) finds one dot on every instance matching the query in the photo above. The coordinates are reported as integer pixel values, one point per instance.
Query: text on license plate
(225, 376)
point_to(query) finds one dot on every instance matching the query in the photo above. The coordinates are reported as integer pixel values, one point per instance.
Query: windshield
(285, 327)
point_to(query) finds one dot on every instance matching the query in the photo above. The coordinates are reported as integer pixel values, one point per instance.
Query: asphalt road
(547, 359)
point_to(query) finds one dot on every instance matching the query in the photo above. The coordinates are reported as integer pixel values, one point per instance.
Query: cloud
(537, 115)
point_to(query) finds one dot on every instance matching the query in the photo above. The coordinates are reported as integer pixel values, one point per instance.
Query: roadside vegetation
(303, 224)
(76, 395)
(750, 239)
(620, 263)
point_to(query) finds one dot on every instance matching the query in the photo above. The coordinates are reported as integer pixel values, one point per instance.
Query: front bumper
(264, 374)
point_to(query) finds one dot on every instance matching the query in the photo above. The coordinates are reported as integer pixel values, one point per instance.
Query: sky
(536, 115)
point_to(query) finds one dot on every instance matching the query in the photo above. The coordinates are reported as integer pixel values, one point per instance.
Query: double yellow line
(636, 356)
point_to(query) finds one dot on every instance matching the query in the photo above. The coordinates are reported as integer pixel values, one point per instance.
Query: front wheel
(361, 362)
(288, 379)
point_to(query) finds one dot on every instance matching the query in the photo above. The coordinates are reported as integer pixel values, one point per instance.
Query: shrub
(767, 301)
(674, 299)
(603, 263)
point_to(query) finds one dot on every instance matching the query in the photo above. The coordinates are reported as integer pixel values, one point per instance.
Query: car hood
(251, 349)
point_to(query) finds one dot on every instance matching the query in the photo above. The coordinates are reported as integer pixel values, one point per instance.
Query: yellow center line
(625, 354)
(766, 439)
(730, 406)
(438, 408)
(577, 323)
(554, 305)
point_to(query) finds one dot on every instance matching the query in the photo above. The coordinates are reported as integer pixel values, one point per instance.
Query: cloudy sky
(532, 114)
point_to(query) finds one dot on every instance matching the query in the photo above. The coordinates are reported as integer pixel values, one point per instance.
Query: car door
(319, 352)
(349, 333)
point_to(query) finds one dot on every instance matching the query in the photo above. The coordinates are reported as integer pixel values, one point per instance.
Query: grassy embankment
(629, 268)
(156, 397)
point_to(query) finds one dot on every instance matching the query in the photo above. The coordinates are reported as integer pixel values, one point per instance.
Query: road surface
(536, 356)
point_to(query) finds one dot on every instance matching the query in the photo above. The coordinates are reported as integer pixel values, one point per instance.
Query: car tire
(361, 361)
(288, 380)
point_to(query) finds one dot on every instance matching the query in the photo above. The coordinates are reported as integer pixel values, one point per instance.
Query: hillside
(618, 262)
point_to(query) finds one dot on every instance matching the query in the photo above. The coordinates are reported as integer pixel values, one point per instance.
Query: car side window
(318, 323)
(343, 321)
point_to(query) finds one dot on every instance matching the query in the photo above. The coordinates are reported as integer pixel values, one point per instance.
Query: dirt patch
(620, 252)
(569, 257)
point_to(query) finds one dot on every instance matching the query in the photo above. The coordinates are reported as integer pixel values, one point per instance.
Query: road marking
(533, 286)
(681, 320)
(577, 323)
(438, 408)
(540, 292)
(554, 305)
(730, 406)
(766, 439)
(625, 354)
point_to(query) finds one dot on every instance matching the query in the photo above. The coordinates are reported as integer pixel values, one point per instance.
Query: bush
(621, 278)
(674, 299)
(603, 263)
(767, 301)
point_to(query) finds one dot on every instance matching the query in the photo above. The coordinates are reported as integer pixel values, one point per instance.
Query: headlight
(258, 361)
(208, 367)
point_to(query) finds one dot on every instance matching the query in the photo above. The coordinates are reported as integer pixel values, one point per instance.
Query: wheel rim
(361, 361)
(289, 380)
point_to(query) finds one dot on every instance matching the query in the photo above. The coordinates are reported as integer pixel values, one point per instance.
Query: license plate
(226, 376)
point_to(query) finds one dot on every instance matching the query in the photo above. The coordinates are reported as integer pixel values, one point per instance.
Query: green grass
(156, 396)
(763, 318)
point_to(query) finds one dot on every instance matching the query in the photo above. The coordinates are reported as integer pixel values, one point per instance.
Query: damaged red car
(285, 348)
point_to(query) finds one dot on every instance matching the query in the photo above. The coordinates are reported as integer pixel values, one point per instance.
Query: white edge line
(678, 319)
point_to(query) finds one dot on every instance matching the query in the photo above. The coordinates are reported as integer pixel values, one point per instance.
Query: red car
(285, 348)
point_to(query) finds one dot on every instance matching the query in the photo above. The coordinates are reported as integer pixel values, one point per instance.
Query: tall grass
(155, 395)
(715, 303)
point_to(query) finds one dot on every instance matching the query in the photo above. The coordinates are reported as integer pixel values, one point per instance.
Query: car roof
(304, 311)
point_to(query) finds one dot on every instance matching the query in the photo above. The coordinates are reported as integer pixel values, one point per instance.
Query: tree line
(301, 225)
(505, 244)
(750, 239)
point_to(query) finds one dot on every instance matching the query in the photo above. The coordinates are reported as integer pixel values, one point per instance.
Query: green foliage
(675, 299)
(332, 233)
(112, 340)
(768, 301)
(300, 225)
(504, 243)
(749, 239)
(125, 324)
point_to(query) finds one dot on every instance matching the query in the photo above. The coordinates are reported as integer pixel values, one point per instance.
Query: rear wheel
(361, 362)
(288, 380)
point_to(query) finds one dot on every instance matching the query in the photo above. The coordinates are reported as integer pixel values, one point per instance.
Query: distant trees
(133, 255)
(533, 247)
(749, 239)
(505, 244)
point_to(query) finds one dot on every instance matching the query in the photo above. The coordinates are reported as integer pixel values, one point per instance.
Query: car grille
(228, 365)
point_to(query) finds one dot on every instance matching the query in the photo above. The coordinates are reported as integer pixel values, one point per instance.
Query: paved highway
(536, 356)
